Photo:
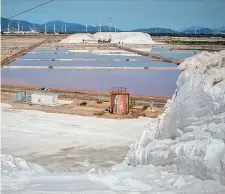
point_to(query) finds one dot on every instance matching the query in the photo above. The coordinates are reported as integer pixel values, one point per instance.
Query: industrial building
(45, 98)
(42, 98)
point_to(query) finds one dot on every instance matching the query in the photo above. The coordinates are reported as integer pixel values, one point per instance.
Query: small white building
(44, 98)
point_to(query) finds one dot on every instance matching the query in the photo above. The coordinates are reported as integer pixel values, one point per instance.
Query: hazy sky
(127, 14)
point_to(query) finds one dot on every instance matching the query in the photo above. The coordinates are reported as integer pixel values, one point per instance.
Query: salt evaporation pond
(81, 56)
(139, 82)
(94, 63)
(178, 55)
(50, 50)
(156, 49)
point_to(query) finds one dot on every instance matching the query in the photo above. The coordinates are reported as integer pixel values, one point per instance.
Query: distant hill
(14, 24)
(202, 30)
(222, 28)
(74, 27)
(199, 31)
(191, 28)
(155, 30)
(59, 25)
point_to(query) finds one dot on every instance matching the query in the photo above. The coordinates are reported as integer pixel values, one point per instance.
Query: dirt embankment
(84, 106)
(91, 93)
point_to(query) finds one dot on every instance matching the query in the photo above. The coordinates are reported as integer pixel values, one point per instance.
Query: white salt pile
(188, 138)
(10, 164)
(115, 37)
(125, 37)
(78, 38)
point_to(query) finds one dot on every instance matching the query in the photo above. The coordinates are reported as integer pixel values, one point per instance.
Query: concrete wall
(44, 99)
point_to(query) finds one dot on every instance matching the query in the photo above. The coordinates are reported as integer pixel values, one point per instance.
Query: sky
(126, 14)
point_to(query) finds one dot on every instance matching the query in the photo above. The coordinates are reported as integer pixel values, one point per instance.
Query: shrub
(144, 107)
(83, 103)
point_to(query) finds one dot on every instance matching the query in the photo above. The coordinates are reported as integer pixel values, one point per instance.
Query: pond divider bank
(90, 67)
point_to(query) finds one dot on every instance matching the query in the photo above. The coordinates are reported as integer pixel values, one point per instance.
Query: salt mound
(188, 138)
(78, 38)
(125, 37)
(10, 164)
(116, 37)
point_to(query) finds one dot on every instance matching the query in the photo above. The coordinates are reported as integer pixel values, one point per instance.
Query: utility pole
(18, 28)
(86, 28)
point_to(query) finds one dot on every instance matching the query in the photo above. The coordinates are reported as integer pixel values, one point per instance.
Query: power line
(30, 9)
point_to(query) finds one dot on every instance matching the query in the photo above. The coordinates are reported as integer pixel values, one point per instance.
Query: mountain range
(74, 27)
(59, 26)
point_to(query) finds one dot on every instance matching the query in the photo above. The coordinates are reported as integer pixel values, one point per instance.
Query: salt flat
(64, 142)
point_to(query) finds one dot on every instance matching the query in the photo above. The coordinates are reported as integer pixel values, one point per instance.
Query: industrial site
(95, 109)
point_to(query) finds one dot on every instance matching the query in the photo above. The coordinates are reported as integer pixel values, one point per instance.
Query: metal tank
(119, 101)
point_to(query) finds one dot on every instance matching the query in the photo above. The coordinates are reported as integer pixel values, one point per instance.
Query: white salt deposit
(125, 37)
(182, 151)
(116, 37)
(78, 38)
(10, 164)
(188, 138)
(120, 179)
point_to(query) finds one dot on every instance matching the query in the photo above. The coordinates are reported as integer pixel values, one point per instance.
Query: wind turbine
(86, 27)
(45, 29)
(8, 26)
(65, 28)
(156, 28)
(54, 28)
(18, 28)
(62, 28)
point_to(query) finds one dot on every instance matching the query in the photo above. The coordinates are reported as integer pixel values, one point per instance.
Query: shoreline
(85, 92)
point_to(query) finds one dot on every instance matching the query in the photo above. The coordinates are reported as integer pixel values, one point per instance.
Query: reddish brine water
(138, 82)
